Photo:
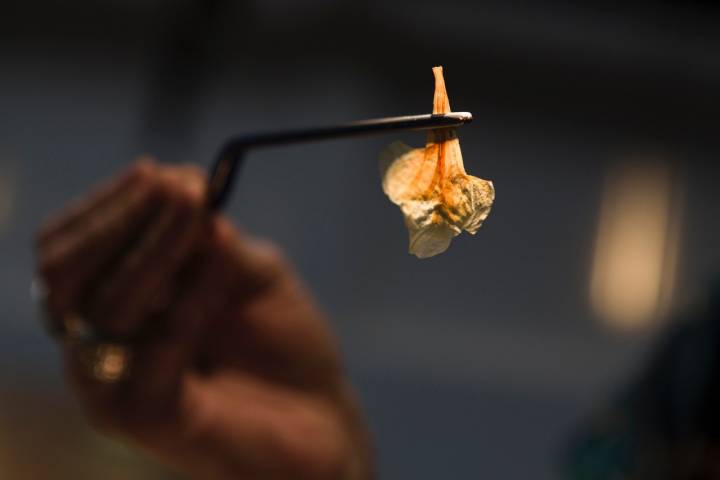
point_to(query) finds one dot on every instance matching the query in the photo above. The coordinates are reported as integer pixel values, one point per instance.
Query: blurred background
(597, 122)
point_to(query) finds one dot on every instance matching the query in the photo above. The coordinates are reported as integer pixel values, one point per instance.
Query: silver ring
(106, 362)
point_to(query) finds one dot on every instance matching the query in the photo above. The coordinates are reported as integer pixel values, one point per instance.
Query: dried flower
(438, 199)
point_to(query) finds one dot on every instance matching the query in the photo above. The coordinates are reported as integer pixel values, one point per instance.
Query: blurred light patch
(110, 363)
(637, 243)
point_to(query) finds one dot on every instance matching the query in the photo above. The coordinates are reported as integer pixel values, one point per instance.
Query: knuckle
(192, 187)
(223, 237)
(197, 184)
(194, 172)
(271, 254)
(179, 193)
(143, 172)
(190, 197)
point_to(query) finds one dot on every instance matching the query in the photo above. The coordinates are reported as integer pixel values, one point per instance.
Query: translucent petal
(431, 240)
(436, 196)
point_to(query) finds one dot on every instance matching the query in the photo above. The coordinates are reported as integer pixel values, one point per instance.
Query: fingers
(222, 271)
(149, 396)
(128, 294)
(121, 298)
(80, 210)
(74, 248)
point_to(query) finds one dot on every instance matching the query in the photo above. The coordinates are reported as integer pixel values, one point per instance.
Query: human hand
(233, 372)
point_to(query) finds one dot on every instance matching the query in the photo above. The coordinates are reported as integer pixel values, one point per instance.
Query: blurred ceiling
(656, 62)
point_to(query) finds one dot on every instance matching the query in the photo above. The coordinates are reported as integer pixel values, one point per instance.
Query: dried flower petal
(438, 199)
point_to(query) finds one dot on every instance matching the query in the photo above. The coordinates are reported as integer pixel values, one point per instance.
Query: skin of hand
(234, 373)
